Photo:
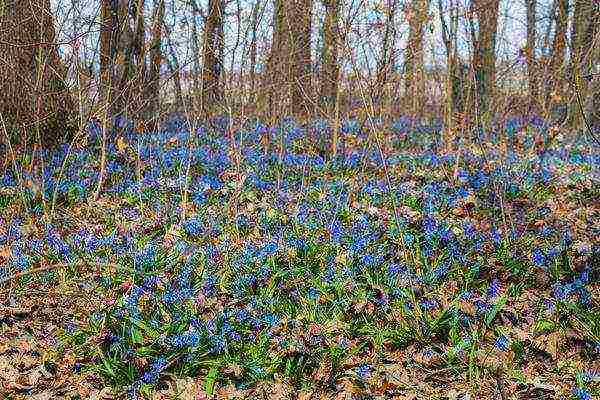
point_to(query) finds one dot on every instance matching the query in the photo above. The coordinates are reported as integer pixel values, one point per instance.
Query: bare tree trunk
(195, 47)
(530, 49)
(583, 46)
(330, 69)
(301, 65)
(275, 78)
(139, 51)
(289, 65)
(484, 50)
(414, 69)
(106, 40)
(175, 70)
(108, 52)
(456, 68)
(557, 58)
(124, 66)
(253, 49)
(385, 61)
(153, 84)
(32, 74)
(590, 65)
(212, 69)
(457, 73)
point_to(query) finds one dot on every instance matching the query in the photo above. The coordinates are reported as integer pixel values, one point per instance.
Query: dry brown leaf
(549, 343)
(121, 145)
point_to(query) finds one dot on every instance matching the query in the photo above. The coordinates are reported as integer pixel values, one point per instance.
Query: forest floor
(390, 272)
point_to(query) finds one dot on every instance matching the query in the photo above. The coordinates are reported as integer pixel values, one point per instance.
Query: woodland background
(309, 199)
(449, 59)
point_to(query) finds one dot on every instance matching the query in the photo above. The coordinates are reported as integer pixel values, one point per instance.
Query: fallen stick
(54, 266)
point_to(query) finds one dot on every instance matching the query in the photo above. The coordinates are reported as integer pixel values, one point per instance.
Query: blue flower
(156, 368)
(396, 269)
(20, 260)
(209, 288)
(313, 294)
(467, 295)
(363, 371)
(470, 230)
(427, 304)
(502, 343)
(582, 394)
(481, 307)
(430, 227)
(193, 226)
(336, 231)
(441, 271)
(494, 288)
(269, 249)
(408, 239)
(188, 339)
(538, 258)
(495, 236)
(8, 180)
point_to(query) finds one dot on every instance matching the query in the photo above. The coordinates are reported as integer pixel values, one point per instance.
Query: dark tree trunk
(289, 65)
(253, 50)
(556, 71)
(457, 71)
(212, 68)
(590, 66)
(530, 49)
(301, 64)
(153, 84)
(484, 50)
(276, 79)
(415, 79)
(32, 75)
(329, 65)
(385, 62)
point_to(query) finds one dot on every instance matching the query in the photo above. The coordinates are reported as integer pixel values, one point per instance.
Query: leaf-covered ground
(237, 262)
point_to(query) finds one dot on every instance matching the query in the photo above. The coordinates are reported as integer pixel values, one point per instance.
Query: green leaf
(209, 384)
(136, 336)
(145, 328)
(107, 366)
(145, 351)
(494, 311)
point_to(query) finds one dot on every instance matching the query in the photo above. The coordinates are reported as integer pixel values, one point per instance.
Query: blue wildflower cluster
(281, 255)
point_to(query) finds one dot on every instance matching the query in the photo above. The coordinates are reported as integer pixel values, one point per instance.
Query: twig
(575, 84)
(54, 266)
(15, 311)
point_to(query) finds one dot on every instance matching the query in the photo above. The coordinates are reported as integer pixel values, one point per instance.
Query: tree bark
(139, 51)
(156, 57)
(196, 10)
(456, 69)
(414, 69)
(558, 55)
(590, 66)
(289, 64)
(385, 62)
(32, 75)
(175, 70)
(212, 68)
(530, 47)
(585, 58)
(301, 64)
(329, 65)
(484, 50)
(253, 50)
(275, 79)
